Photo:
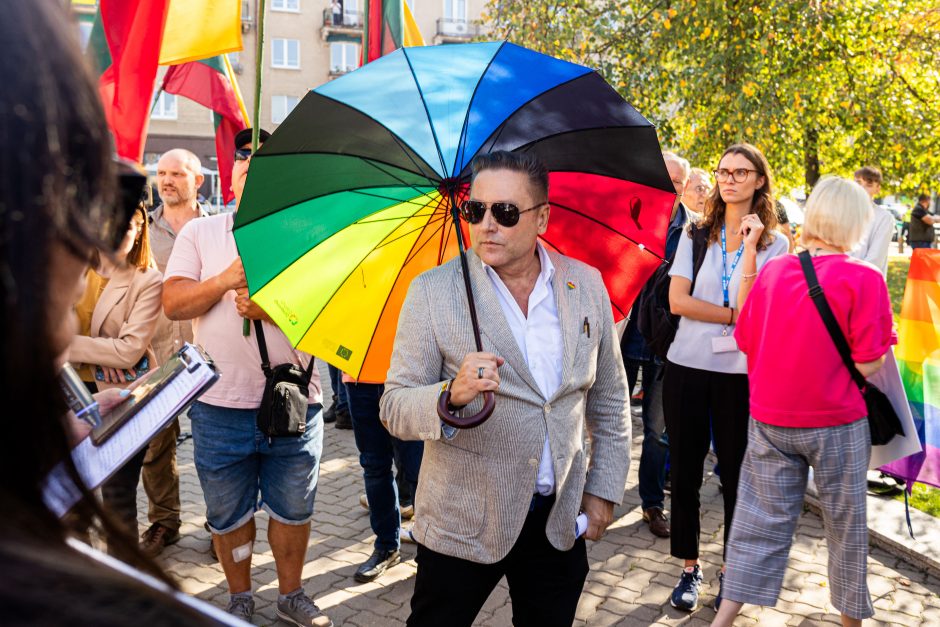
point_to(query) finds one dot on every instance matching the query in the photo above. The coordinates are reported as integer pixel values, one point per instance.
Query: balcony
(341, 25)
(451, 30)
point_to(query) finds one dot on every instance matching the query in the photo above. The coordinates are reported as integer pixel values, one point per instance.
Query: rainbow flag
(918, 355)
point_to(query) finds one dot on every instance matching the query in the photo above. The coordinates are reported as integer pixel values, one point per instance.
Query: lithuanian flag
(130, 39)
(918, 356)
(389, 26)
(211, 82)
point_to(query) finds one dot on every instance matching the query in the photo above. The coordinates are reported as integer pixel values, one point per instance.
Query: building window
(285, 53)
(281, 106)
(164, 107)
(455, 10)
(351, 12)
(286, 5)
(246, 11)
(344, 57)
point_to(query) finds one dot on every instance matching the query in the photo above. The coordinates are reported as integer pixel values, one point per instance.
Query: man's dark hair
(869, 173)
(526, 163)
(923, 197)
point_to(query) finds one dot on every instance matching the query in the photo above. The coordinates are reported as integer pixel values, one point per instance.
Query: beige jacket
(474, 490)
(123, 323)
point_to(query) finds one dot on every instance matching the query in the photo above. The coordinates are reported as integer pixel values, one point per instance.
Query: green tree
(820, 86)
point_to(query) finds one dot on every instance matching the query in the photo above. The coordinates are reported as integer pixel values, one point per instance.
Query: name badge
(724, 344)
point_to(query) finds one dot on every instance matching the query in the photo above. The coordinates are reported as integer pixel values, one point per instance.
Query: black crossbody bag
(283, 411)
(883, 421)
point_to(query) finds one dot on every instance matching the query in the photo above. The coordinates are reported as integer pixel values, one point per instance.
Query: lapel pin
(571, 285)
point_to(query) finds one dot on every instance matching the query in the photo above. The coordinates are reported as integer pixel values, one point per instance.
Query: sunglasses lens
(506, 214)
(242, 154)
(472, 211)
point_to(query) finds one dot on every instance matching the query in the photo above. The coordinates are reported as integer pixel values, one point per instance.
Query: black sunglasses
(242, 154)
(505, 213)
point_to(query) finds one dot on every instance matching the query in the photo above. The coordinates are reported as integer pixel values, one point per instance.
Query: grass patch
(924, 498)
(897, 278)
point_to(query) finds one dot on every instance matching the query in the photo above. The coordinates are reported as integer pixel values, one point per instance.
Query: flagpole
(256, 121)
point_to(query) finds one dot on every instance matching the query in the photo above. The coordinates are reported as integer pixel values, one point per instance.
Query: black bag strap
(265, 362)
(829, 319)
(699, 250)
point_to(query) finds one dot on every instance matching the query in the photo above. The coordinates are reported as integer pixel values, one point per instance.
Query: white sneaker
(407, 534)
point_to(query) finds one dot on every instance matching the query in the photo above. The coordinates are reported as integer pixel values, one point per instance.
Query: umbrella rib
(397, 139)
(408, 259)
(466, 119)
(403, 183)
(606, 226)
(406, 234)
(427, 112)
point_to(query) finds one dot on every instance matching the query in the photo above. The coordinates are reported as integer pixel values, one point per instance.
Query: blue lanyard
(725, 275)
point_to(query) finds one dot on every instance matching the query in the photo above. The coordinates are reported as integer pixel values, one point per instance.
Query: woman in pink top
(806, 410)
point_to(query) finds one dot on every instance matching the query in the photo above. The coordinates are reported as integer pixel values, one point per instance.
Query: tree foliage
(820, 86)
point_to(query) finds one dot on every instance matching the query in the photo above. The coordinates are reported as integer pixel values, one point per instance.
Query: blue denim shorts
(235, 462)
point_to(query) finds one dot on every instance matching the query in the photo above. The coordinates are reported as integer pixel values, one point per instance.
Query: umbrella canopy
(351, 197)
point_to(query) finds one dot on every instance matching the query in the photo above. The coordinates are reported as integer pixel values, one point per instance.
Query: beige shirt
(171, 334)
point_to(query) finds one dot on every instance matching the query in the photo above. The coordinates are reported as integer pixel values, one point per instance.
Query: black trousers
(544, 583)
(698, 404)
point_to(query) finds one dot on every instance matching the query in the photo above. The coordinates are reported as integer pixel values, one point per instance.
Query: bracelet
(748, 276)
(731, 319)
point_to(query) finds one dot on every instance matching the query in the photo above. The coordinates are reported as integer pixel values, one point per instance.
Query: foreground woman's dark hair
(56, 188)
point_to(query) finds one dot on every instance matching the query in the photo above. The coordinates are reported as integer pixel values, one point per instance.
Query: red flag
(134, 32)
(211, 83)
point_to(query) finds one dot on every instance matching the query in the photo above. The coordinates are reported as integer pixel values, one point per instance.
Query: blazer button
(547, 407)
(533, 462)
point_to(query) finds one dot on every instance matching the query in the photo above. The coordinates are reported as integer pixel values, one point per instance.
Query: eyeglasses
(242, 154)
(738, 175)
(505, 213)
(702, 190)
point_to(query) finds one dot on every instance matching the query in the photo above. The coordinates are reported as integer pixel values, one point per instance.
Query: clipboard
(139, 397)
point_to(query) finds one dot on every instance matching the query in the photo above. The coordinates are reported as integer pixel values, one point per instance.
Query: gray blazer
(475, 489)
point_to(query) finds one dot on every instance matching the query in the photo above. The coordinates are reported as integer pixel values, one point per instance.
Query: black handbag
(883, 421)
(283, 411)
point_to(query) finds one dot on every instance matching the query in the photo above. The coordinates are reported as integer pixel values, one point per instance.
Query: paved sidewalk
(631, 574)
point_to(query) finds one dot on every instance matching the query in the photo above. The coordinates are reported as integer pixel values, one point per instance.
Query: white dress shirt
(539, 339)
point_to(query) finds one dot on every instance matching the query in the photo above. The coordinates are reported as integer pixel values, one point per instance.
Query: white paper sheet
(888, 380)
(96, 463)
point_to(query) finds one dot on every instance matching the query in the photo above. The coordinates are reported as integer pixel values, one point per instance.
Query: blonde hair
(836, 213)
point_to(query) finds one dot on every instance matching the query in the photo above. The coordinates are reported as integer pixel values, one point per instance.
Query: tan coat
(123, 323)
(474, 490)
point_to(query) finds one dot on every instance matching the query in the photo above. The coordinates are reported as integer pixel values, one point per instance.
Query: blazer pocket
(454, 488)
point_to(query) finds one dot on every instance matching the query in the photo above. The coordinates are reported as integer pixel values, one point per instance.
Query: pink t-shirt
(203, 249)
(796, 376)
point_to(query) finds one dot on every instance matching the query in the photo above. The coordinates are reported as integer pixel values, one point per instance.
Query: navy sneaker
(685, 594)
(721, 584)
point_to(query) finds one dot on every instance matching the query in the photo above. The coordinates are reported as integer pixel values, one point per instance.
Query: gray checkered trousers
(770, 500)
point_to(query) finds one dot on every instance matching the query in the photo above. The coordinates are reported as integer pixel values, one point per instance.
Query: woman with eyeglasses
(705, 387)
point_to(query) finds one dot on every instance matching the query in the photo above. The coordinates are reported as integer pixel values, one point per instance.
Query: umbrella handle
(469, 422)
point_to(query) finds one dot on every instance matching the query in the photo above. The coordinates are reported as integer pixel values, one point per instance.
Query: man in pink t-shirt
(205, 282)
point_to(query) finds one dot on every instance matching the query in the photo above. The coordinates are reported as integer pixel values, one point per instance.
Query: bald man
(179, 176)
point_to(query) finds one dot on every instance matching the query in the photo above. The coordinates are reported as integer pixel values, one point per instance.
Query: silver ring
(480, 372)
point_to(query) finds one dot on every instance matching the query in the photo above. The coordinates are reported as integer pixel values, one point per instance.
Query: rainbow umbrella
(918, 355)
(355, 193)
